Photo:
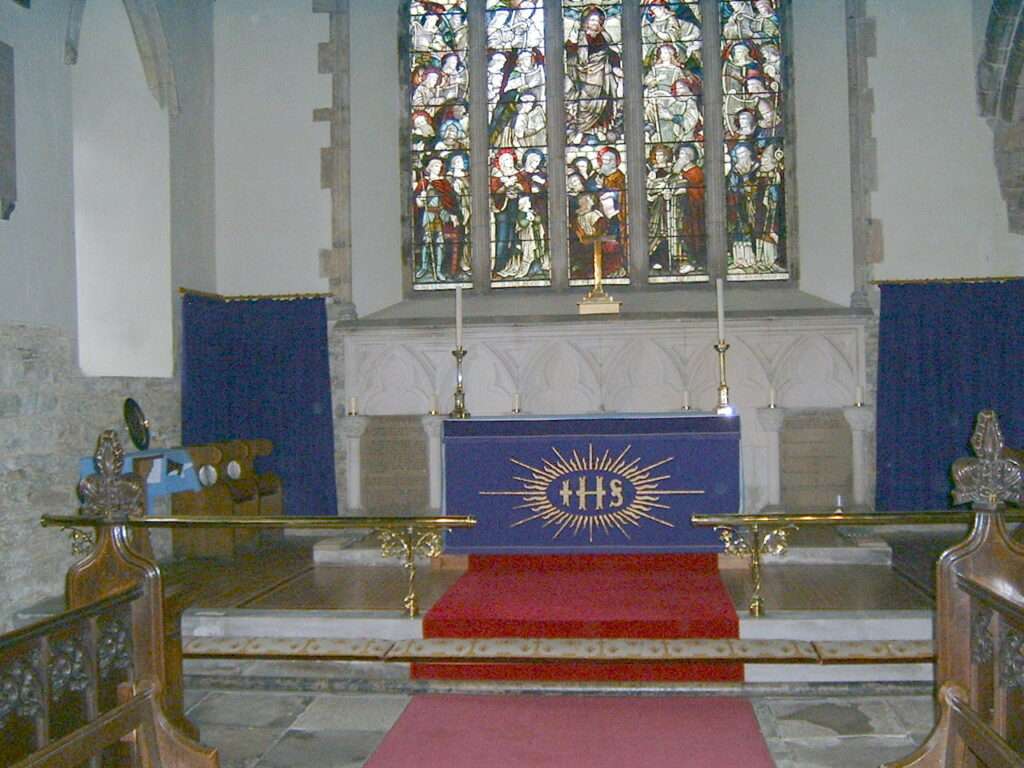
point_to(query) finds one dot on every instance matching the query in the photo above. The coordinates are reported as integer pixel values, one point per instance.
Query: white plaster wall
(272, 215)
(938, 196)
(376, 108)
(821, 94)
(122, 204)
(37, 253)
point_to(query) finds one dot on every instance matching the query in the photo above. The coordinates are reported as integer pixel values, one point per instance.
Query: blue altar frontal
(602, 484)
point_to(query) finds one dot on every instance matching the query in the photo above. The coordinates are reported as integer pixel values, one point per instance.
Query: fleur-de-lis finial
(990, 479)
(108, 493)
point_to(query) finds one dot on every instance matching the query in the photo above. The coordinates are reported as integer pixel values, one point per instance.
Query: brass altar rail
(401, 537)
(767, 533)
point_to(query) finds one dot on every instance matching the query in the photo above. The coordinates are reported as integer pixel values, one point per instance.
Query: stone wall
(50, 416)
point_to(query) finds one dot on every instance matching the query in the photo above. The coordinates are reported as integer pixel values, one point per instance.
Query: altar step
(789, 646)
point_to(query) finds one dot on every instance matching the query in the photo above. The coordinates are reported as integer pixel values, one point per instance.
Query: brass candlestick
(459, 411)
(723, 409)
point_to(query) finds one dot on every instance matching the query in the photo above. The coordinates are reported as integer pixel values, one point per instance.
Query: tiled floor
(260, 729)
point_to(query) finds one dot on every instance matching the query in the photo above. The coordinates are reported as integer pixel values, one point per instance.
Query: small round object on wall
(234, 470)
(207, 475)
(137, 423)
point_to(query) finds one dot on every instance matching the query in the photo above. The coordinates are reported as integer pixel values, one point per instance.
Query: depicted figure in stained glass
(766, 20)
(535, 182)
(496, 75)
(594, 80)
(738, 63)
(771, 60)
(452, 136)
(741, 204)
(585, 170)
(520, 96)
(661, 214)
(426, 87)
(613, 204)
(739, 20)
(515, 24)
(527, 76)
(440, 223)
(422, 131)
(458, 176)
(434, 27)
(454, 79)
(589, 221)
(689, 177)
(507, 186)
(665, 24)
(771, 225)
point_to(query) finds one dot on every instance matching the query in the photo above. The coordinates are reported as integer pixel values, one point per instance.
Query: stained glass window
(595, 90)
(595, 141)
(517, 136)
(752, 95)
(439, 145)
(674, 141)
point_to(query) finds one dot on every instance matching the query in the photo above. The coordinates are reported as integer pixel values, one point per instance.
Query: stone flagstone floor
(263, 729)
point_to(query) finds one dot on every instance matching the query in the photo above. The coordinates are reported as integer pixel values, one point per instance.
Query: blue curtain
(946, 351)
(260, 369)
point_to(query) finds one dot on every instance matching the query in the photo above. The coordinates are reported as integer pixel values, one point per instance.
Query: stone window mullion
(714, 140)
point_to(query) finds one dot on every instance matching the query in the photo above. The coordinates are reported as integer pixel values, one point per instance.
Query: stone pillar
(432, 426)
(354, 427)
(861, 419)
(771, 422)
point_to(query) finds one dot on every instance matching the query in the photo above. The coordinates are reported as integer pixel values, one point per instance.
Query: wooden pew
(980, 621)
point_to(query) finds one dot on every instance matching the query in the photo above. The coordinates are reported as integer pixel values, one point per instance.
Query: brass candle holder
(723, 408)
(459, 410)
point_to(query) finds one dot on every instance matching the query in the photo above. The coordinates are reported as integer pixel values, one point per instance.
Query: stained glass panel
(674, 141)
(752, 113)
(518, 141)
(595, 148)
(439, 145)
(596, 191)
(520, 254)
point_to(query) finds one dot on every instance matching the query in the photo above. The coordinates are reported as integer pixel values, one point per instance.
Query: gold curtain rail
(384, 523)
(850, 518)
(253, 297)
(939, 280)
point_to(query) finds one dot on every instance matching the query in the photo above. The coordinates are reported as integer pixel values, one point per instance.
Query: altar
(593, 484)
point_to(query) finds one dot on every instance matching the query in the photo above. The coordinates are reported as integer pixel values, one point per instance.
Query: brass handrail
(850, 518)
(221, 521)
(767, 534)
(403, 537)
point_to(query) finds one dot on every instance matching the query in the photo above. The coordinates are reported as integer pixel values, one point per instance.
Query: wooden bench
(980, 621)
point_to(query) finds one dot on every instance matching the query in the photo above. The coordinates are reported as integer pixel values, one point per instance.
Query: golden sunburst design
(584, 493)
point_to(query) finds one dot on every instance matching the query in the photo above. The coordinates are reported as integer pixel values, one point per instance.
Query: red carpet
(652, 596)
(567, 731)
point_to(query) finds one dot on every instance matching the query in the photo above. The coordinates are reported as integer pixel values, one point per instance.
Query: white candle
(515, 403)
(860, 397)
(771, 397)
(458, 317)
(686, 399)
(352, 405)
(433, 403)
(719, 289)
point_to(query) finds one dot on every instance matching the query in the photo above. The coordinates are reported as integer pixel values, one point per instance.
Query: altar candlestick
(860, 397)
(352, 406)
(433, 405)
(719, 290)
(771, 397)
(686, 399)
(515, 403)
(458, 316)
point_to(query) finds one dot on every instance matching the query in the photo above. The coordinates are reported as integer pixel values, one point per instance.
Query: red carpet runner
(566, 731)
(653, 596)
